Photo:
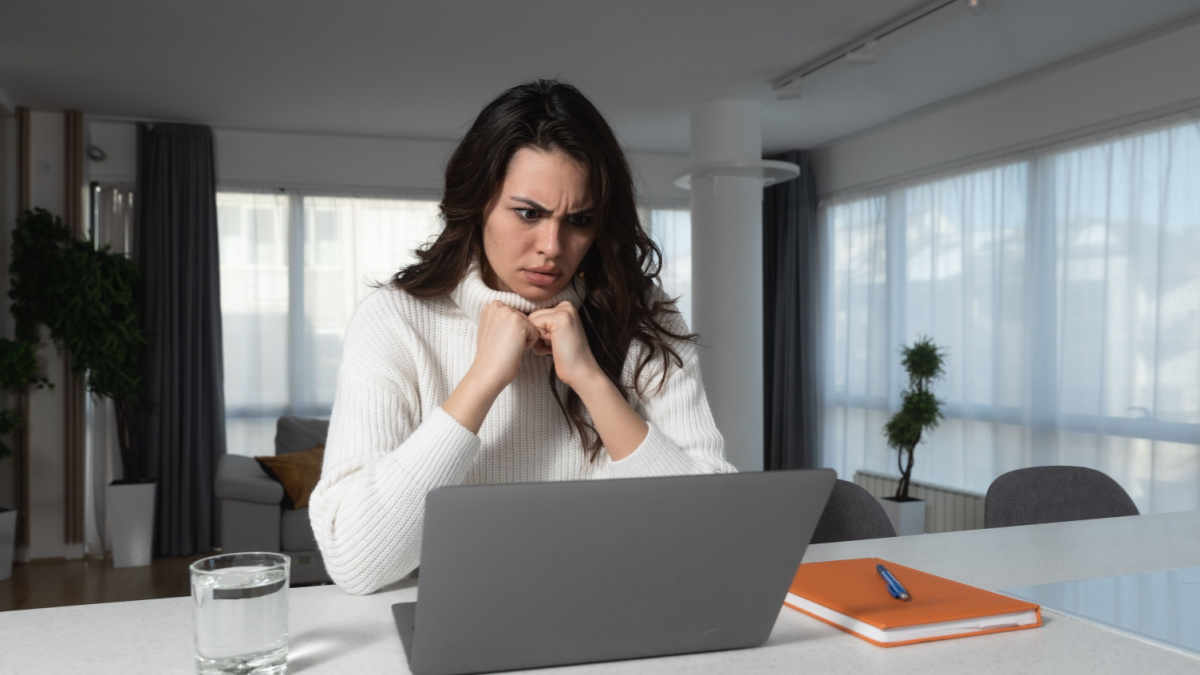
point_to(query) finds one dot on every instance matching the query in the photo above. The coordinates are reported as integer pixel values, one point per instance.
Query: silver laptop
(544, 574)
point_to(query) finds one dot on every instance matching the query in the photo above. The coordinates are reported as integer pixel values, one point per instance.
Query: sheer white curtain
(294, 267)
(1065, 287)
(254, 238)
(350, 245)
(671, 229)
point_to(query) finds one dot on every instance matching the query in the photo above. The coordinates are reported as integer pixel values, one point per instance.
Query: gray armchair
(253, 517)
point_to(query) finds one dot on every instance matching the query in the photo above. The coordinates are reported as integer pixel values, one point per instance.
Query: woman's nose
(549, 244)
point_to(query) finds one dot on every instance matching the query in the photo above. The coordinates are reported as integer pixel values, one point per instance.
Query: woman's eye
(580, 221)
(527, 214)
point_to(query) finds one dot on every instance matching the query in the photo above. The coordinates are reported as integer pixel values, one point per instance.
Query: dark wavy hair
(620, 268)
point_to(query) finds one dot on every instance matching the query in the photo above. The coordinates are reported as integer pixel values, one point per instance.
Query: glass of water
(240, 607)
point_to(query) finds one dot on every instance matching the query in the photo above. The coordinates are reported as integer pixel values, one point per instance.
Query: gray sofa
(253, 517)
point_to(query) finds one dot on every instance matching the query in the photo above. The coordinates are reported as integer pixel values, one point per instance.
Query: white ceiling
(423, 69)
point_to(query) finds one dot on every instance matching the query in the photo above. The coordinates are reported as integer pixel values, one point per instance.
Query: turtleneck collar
(472, 294)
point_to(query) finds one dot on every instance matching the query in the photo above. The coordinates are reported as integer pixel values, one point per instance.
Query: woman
(529, 343)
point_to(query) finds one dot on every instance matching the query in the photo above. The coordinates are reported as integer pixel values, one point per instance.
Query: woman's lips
(545, 277)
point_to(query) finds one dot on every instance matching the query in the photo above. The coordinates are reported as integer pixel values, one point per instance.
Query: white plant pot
(907, 517)
(8, 540)
(131, 522)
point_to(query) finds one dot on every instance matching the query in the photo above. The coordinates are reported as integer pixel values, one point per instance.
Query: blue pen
(893, 586)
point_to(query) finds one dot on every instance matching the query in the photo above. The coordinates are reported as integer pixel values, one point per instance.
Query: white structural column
(726, 181)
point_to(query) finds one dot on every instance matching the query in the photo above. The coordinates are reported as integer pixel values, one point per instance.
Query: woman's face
(539, 226)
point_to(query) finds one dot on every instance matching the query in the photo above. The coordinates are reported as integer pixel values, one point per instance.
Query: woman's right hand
(504, 335)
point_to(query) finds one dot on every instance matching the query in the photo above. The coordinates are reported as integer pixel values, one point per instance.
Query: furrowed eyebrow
(538, 207)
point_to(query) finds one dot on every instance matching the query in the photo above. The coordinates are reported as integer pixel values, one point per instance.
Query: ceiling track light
(976, 7)
(861, 50)
(788, 90)
(864, 55)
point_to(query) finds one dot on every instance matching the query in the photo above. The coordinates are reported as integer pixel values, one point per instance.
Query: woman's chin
(534, 293)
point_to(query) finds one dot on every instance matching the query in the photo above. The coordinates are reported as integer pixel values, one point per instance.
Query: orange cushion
(297, 471)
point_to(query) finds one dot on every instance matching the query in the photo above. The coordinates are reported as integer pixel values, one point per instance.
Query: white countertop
(332, 632)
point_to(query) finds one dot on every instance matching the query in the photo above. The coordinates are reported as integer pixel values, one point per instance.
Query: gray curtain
(183, 433)
(791, 314)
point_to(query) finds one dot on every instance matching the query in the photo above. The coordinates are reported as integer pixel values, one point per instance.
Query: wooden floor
(61, 583)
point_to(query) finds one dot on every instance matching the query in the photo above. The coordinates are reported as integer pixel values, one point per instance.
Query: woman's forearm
(471, 400)
(621, 429)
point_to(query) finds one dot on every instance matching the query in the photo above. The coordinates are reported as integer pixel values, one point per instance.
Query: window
(295, 267)
(1066, 289)
(671, 229)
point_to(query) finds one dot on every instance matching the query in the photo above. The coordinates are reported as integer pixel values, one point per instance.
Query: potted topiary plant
(90, 300)
(919, 412)
(18, 370)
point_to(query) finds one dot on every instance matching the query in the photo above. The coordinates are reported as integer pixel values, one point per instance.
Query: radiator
(946, 509)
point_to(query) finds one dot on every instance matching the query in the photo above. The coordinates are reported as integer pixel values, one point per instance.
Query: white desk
(333, 632)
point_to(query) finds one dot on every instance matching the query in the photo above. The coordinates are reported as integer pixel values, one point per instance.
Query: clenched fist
(560, 334)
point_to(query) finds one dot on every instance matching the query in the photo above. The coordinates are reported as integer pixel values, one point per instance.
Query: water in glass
(241, 618)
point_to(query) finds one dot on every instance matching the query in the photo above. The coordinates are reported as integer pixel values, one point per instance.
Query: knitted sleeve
(683, 438)
(382, 455)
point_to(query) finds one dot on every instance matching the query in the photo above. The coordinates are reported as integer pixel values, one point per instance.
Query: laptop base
(405, 614)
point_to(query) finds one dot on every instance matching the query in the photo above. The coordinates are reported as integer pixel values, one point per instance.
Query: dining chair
(851, 514)
(1053, 494)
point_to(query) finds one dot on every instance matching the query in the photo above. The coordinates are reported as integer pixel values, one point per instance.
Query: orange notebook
(850, 594)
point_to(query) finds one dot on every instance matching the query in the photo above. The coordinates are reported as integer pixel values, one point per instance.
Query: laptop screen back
(521, 576)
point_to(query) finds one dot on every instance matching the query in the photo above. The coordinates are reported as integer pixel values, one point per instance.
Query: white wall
(1121, 85)
(331, 162)
(46, 405)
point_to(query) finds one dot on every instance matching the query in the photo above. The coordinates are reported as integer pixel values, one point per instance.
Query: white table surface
(332, 632)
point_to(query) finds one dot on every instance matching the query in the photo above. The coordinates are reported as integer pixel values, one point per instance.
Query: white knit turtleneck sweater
(390, 442)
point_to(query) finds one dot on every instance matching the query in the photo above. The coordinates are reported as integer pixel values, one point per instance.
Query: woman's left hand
(562, 336)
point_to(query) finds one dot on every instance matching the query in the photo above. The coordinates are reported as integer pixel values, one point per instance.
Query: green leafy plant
(90, 299)
(919, 411)
(18, 369)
